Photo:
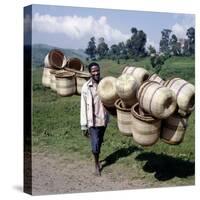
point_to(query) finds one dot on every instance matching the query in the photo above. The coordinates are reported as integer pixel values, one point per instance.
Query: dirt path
(53, 174)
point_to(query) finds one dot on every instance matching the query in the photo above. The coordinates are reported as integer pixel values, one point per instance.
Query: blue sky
(72, 27)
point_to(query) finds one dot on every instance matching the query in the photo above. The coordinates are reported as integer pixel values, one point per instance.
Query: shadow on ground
(166, 167)
(123, 152)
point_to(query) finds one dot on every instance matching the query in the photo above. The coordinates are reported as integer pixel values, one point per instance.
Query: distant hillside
(39, 51)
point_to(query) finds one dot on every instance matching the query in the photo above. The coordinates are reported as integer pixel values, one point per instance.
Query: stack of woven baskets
(147, 107)
(62, 74)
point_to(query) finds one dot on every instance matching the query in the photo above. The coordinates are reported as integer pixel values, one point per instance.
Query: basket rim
(60, 52)
(146, 118)
(64, 74)
(117, 105)
(70, 59)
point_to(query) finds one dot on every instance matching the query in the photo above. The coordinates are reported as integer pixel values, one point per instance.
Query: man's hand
(85, 133)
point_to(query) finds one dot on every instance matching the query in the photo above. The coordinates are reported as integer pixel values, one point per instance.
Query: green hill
(39, 51)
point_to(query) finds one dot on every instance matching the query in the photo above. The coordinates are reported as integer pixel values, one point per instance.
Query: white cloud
(78, 28)
(180, 29)
(152, 43)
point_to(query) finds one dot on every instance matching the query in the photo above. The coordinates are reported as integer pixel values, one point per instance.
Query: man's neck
(95, 82)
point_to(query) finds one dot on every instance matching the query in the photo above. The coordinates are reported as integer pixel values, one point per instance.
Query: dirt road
(52, 174)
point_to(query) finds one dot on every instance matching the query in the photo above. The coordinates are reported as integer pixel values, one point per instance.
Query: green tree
(123, 50)
(191, 40)
(102, 48)
(186, 48)
(115, 52)
(136, 44)
(157, 60)
(175, 46)
(164, 42)
(189, 43)
(151, 50)
(91, 50)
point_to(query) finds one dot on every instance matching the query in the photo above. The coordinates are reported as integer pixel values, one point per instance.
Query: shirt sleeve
(83, 110)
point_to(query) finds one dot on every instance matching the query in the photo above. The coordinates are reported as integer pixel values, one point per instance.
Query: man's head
(94, 70)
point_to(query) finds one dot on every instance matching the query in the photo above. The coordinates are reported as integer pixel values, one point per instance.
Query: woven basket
(140, 74)
(81, 78)
(53, 79)
(185, 93)
(127, 86)
(65, 83)
(145, 128)
(107, 91)
(46, 77)
(156, 78)
(75, 64)
(156, 99)
(55, 59)
(173, 129)
(123, 118)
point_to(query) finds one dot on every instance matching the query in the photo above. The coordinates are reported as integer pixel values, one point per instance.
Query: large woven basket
(139, 73)
(127, 86)
(156, 78)
(123, 118)
(107, 91)
(46, 77)
(156, 99)
(145, 128)
(173, 129)
(65, 83)
(185, 93)
(53, 79)
(55, 59)
(81, 78)
(74, 63)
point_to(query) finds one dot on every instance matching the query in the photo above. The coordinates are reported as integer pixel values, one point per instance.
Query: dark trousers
(96, 137)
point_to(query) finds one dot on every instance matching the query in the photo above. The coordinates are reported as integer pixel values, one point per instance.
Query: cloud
(152, 43)
(76, 27)
(180, 29)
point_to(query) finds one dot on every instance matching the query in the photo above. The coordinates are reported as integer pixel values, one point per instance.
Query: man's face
(95, 72)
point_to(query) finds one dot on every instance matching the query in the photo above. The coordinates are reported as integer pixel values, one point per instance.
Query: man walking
(93, 115)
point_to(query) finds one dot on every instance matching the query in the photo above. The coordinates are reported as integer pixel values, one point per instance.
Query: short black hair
(91, 65)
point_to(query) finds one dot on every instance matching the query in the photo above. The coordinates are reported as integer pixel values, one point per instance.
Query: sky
(72, 27)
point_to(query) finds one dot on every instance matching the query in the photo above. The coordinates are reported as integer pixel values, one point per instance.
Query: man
(93, 115)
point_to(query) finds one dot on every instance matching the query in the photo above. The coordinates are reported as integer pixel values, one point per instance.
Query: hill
(39, 51)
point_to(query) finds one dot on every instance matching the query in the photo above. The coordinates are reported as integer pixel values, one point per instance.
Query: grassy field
(56, 128)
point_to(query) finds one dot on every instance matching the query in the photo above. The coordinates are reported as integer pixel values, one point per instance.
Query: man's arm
(83, 111)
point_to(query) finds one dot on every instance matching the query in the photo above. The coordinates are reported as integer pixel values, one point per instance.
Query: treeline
(135, 46)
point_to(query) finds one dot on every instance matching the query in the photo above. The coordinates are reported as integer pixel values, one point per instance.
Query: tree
(102, 48)
(191, 40)
(114, 52)
(186, 48)
(175, 46)
(136, 44)
(91, 49)
(140, 44)
(157, 60)
(164, 42)
(123, 50)
(151, 50)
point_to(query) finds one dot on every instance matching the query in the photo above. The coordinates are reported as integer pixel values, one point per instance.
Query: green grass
(182, 67)
(56, 128)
